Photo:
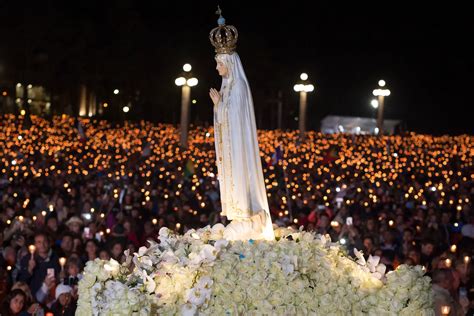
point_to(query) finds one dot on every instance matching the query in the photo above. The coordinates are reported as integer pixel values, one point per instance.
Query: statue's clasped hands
(215, 96)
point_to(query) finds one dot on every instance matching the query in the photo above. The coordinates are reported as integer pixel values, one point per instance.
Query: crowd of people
(73, 190)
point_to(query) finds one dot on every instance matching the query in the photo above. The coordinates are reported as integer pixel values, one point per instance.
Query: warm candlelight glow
(366, 168)
(445, 310)
(32, 249)
(448, 263)
(62, 261)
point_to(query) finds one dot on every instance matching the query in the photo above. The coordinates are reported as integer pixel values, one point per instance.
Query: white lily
(208, 252)
(360, 257)
(142, 251)
(150, 284)
(188, 309)
(221, 244)
(205, 282)
(372, 262)
(196, 296)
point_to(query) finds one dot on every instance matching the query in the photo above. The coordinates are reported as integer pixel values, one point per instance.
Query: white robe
(242, 186)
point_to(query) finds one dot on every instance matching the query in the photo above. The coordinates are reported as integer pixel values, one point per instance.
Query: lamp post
(186, 81)
(381, 93)
(375, 105)
(303, 87)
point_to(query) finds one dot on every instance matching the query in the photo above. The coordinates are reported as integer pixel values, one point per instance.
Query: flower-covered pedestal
(200, 273)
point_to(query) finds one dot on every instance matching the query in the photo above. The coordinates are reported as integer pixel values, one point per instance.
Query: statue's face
(222, 69)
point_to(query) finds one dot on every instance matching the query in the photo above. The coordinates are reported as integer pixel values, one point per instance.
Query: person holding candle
(443, 280)
(33, 267)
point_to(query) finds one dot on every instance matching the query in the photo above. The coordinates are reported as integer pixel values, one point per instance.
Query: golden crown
(224, 37)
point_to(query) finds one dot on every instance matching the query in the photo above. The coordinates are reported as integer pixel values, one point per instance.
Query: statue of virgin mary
(239, 166)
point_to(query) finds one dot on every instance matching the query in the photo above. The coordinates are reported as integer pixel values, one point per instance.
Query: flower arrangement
(298, 273)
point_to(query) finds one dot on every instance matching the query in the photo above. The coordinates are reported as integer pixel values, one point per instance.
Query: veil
(247, 174)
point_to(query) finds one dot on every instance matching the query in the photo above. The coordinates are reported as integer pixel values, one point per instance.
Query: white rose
(88, 280)
(238, 295)
(103, 275)
(112, 267)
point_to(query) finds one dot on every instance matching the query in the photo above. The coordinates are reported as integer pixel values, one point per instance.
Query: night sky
(421, 52)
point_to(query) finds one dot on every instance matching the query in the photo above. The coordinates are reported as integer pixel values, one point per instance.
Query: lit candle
(154, 221)
(32, 249)
(62, 262)
(448, 263)
(453, 248)
(445, 310)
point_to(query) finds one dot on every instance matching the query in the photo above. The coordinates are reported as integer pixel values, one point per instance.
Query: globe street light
(186, 81)
(303, 87)
(381, 93)
(187, 67)
(374, 103)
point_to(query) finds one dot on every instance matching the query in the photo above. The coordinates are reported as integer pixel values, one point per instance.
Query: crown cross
(223, 37)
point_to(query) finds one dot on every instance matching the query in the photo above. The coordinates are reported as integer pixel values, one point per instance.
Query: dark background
(422, 52)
